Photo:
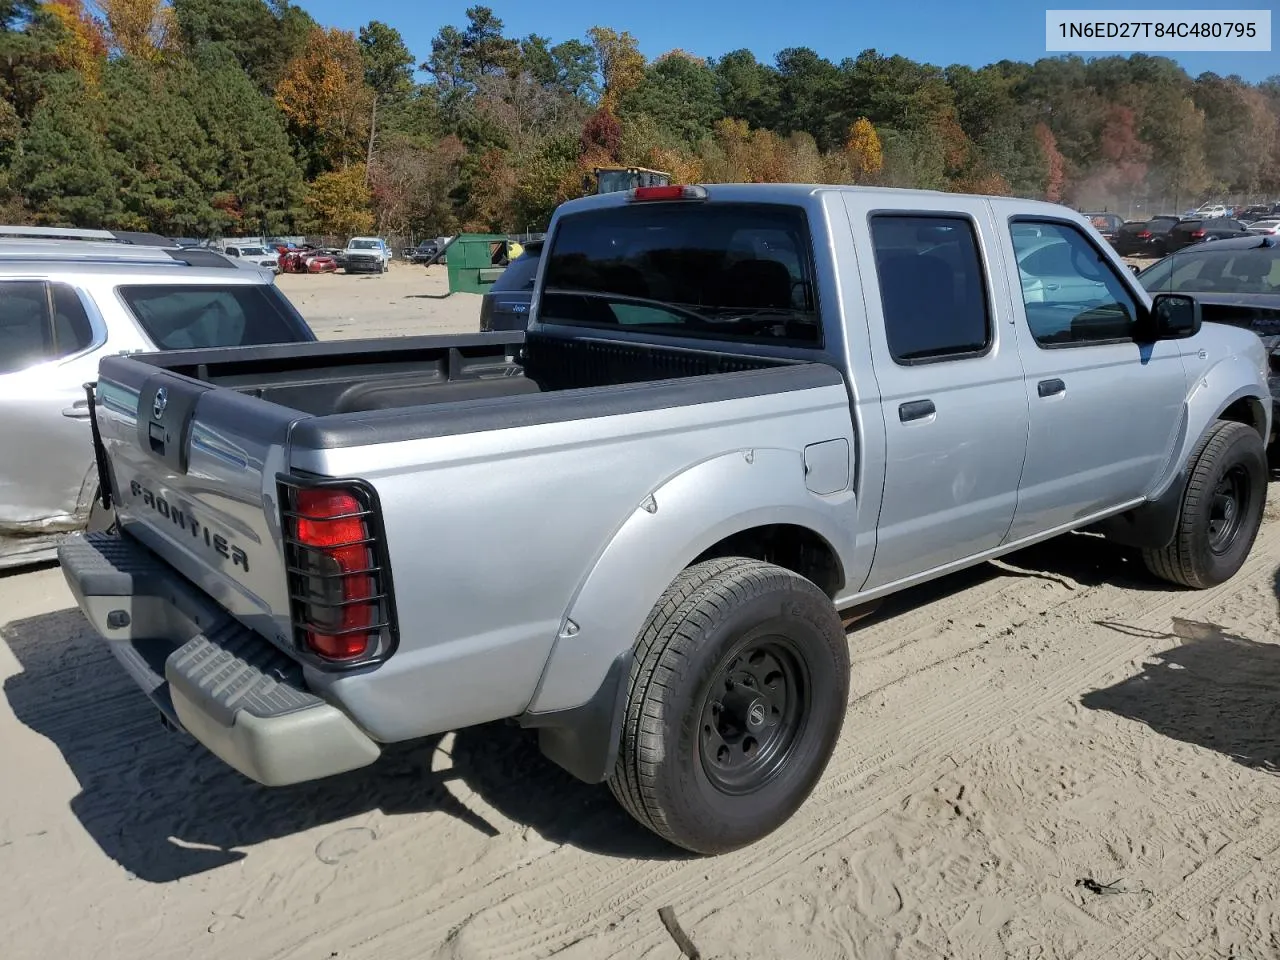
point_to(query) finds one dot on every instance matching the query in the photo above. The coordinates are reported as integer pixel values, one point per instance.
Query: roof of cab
(805, 193)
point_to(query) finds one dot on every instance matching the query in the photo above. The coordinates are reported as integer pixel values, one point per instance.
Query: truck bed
(333, 379)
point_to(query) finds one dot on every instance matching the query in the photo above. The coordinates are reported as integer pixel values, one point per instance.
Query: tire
(1221, 510)
(680, 708)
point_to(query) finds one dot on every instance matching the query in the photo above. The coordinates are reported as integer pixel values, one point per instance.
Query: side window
(233, 251)
(39, 323)
(932, 287)
(1072, 295)
(71, 329)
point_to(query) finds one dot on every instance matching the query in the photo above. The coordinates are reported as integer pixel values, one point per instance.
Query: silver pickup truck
(739, 411)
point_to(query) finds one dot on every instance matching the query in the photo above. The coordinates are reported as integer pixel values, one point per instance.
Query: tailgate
(193, 472)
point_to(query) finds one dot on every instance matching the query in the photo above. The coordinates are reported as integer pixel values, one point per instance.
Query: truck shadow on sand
(163, 808)
(1211, 688)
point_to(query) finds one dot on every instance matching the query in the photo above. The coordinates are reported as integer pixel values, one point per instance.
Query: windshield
(1252, 271)
(364, 244)
(720, 271)
(252, 252)
(181, 317)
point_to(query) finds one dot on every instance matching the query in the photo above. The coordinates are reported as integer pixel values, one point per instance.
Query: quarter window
(1072, 295)
(932, 287)
(40, 322)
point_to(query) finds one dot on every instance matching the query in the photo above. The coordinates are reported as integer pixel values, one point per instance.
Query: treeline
(208, 117)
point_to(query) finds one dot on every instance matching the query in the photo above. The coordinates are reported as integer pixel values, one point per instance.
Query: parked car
(1212, 211)
(257, 255)
(1193, 230)
(1265, 228)
(1107, 224)
(1144, 237)
(739, 410)
(68, 300)
(1259, 211)
(1236, 282)
(366, 254)
(422, 252)
(506, 304)
(306, 260)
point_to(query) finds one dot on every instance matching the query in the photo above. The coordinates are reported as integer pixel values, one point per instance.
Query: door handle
(916, 410)
(1052, 286)
(77, 411)
(1051, 388)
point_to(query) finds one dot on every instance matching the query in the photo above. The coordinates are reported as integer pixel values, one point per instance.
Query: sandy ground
(1049, 757)
(405, 300)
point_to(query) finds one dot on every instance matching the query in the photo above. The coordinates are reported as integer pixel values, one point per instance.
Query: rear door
(955, 413)
(47, 354)
(1104, 410)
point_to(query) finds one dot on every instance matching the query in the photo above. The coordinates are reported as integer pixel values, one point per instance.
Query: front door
(950, 383)
(46, 449)
(1105, 411)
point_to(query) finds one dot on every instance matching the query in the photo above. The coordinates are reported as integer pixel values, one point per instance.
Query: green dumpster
(475, 261)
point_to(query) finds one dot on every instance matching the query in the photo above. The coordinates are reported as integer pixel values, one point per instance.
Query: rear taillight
(1144, 235)
(339, 586)
(673, 192)
(1197, 234)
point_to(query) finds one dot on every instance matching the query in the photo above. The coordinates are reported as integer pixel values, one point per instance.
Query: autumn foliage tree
(212, 115)
(142, 29)
(1054, 166)
(864, 151)
(340, 202)
(324, 95)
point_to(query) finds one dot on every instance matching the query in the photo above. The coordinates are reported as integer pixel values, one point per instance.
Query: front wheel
(1221, 509)
(736, 698)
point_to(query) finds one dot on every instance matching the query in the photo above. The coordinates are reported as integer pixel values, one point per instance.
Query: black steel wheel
(1221, 509)
(753, 714)
(735, 701)
(1227, 507)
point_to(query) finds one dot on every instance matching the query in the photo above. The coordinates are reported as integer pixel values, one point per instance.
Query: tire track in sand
(556, 898)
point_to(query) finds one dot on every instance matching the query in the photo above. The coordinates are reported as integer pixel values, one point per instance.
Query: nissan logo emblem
(161, 401)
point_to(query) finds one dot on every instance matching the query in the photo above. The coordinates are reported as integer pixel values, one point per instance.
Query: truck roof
(797, 192)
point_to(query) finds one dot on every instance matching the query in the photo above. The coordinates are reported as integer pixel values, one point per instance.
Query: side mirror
(1135, 268)
(1175, 316)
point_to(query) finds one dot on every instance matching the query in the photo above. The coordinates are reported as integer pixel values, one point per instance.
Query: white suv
(70, 297)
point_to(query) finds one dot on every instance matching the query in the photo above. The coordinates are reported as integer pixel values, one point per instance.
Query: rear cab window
(721, 271)
(198, 316)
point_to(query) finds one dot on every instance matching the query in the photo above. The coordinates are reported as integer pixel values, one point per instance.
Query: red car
(306, 260)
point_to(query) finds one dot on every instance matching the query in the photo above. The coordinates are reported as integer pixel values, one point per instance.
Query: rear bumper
(240, 697)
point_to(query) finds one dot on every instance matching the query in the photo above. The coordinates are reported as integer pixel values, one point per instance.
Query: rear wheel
(1221, 509)
(736, 698)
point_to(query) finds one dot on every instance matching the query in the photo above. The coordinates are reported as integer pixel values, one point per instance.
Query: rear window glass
(181, 317)
(518, 276)
(740, 272)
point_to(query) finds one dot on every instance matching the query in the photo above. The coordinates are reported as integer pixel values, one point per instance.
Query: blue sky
(942, 32)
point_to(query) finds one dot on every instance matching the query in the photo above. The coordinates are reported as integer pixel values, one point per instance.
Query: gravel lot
(1049, 757)
(406, 300)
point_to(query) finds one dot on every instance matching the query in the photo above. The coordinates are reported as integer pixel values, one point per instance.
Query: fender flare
(1153, 525)
(578, 706)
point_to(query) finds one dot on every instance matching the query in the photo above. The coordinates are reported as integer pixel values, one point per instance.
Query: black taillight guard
(383, 627)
